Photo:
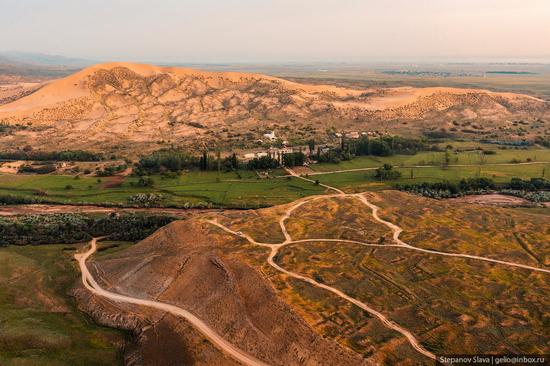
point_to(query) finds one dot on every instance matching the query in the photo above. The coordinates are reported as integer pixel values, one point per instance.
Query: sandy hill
(136, 105)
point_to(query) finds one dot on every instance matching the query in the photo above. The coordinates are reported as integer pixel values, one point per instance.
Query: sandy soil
(55, 209)
(494, 199)
(11, 92)
(11, 167)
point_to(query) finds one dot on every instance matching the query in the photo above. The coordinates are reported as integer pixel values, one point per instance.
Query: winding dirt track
(396, 232)
(91, 284)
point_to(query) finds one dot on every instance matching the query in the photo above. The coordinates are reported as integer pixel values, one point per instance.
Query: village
(276, 152)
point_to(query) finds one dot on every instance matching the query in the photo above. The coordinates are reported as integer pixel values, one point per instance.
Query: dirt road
(90, 283)
(35, 209)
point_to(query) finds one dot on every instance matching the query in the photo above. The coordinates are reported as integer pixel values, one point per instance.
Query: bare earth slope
(136, 105)
(187, 265)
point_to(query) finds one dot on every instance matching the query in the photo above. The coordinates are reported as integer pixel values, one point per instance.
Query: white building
(250, 156)
(352, 135)
(270, 135)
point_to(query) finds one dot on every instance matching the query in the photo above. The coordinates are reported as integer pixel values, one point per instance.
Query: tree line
(365, 146)
(177, 160)
(66, 155)
(74, 228)
(448, 189)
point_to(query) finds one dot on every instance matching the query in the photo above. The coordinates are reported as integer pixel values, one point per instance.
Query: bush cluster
(145, 199)
(37, 169)
(539, 196)
(448, 189)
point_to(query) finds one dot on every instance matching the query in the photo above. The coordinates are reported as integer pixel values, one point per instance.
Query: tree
(294, 159)
(145, 181)
(234, 161)
(311, 145)
(218, 161)
(447, 158)
(387, 172)
(204, 160)
(379, 148)
(263, 163)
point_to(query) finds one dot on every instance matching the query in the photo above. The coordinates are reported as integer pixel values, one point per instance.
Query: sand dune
(145, 104)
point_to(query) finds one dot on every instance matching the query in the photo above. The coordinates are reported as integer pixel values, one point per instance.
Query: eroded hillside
(191, 265)
(386, 278)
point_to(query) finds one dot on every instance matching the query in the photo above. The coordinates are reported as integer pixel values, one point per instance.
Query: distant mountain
(34, 67)
(142, 107)
(38, 59)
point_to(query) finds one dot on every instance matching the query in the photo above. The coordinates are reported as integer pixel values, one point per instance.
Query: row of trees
(533, 184)
(174, 160)
(66, 155)
(365, 146)
(447, 189)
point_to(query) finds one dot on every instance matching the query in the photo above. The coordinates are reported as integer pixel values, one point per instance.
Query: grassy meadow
(245, 189)
(509, 156)
(39, 323)
(365, 180)
(232, 189)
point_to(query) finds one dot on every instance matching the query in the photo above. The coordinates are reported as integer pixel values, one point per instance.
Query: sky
(279, 30)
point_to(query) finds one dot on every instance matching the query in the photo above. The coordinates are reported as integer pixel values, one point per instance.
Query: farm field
(232, 189)
(244, 189)
(365, 181)
(508, 156)
(40, 323)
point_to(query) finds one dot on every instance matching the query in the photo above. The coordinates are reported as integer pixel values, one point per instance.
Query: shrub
(145, 199)
(387, 172)
(145, 181)
(40, 169)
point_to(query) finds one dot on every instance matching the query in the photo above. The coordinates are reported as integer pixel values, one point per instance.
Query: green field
(508, 156)
(365, 180)
(244, 189)
(39, 323)
(191, 188)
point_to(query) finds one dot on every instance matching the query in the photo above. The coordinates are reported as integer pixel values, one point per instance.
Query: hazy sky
(279, 30)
